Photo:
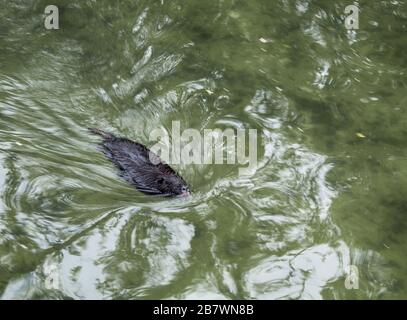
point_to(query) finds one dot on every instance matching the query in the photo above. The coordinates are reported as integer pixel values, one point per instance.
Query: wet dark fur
(133, 161)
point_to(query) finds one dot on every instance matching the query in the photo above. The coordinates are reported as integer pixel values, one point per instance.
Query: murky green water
(330, 187)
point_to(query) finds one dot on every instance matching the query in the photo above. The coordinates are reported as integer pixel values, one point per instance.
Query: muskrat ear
(160, 181)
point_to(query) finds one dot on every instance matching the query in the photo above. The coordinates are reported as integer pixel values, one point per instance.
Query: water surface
(331, 180)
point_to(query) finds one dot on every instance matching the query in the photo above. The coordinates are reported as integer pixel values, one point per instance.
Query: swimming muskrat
(133, 161)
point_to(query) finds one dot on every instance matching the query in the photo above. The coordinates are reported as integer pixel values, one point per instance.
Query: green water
(331, 181)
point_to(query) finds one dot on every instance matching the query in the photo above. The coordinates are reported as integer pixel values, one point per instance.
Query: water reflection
(71, 228)
(298, 274)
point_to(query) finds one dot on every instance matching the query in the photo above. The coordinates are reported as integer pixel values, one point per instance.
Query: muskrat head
(185, 191)
(174, 185)
(182, 189)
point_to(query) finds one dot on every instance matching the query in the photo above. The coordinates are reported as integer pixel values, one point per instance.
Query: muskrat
(133, 159)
